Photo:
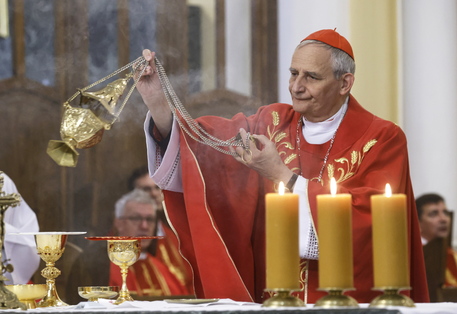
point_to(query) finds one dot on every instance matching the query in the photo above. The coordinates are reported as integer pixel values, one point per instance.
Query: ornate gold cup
(95, 292)
(27, 294)
(83, 124)
(124, 253)
(50, 247)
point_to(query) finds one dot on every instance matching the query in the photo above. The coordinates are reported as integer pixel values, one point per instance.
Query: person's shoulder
(8, 184)
(277, 111)
(388, 130)
(374, 122)
(6, 178)
(283, 107)
(387, 124)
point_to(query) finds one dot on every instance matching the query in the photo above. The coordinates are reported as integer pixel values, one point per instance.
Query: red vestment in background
(219, 218)
(451, 268)
(148, 276)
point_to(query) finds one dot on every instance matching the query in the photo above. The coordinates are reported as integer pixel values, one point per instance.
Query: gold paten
(83, 124)
(93, 293)
(8, 299)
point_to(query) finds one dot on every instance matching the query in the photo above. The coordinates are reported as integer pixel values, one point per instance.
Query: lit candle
(390, 243)
(282, 250)
(334, 216)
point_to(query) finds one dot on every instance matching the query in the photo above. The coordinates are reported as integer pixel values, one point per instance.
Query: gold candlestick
(334, 212)
(283, 298)
(390, 249)
(392, 297)
(336, 299)
(282, 248)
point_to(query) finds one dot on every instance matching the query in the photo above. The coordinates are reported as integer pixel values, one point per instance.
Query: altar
(230, 307)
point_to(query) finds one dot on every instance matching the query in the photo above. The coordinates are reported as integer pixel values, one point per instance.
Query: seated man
(167, 250)
(435, 222)
(19, 250)
(135, 215)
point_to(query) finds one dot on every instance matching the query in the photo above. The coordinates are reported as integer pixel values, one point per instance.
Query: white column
(430, 95)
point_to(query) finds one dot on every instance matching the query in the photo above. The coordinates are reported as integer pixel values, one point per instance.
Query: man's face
(148, 185)
(138, 220)
(315, 92)
(434, 221)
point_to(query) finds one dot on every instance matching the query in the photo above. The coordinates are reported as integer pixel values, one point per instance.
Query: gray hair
(138, 196)
(342, 63)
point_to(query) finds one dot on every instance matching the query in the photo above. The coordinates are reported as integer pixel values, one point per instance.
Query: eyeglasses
(139, 219)
(149, 189)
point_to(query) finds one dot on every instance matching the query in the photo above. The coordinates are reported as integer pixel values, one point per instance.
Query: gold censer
(83, 124)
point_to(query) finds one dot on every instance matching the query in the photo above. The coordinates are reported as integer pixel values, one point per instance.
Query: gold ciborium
(93, 293)
(50, 247)
(124, 253)
(83, 124)
(27, 294)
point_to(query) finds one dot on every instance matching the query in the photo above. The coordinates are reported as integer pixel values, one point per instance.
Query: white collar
(322, 132)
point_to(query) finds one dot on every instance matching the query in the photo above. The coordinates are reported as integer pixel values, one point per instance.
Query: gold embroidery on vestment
(348, 168)
(277, 137)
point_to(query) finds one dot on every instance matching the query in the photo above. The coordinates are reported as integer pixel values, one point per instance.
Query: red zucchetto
(333, 38)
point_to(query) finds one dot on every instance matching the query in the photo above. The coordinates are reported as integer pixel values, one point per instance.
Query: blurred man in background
(435, 222)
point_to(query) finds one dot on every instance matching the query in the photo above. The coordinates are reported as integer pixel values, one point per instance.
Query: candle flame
(281, 188)
(333, 186)
(388, 190)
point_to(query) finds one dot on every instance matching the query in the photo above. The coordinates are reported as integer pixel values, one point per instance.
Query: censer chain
(189, 125)
(180, 114)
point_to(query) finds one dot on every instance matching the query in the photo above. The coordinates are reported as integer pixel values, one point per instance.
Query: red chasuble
(148, 276)
(168, 253)
(220, 220)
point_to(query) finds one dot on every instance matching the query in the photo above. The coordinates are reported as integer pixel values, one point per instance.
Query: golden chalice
(50, 247)
(93, 293)
(124, 253)
(27, 294)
